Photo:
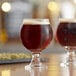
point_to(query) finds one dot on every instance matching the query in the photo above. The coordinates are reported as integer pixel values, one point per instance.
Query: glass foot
(40, 66)
(35, 63)
(68, 64)
(70, 59)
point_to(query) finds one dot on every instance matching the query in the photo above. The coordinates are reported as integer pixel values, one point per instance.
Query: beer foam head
(36, 21)
(67, 20)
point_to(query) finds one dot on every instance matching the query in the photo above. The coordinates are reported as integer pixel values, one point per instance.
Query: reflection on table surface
(53, 64)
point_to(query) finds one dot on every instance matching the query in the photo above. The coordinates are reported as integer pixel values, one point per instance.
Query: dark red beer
(36, 37)
(66, 33)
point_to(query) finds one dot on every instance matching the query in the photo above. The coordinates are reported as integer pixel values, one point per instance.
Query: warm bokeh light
(3, 36)
(6, 73)
(6, 7)
(75, 1)
(54, 12)
(53, 6)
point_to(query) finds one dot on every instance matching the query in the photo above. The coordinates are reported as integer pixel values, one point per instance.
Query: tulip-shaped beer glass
(66, 36)
(36, 35)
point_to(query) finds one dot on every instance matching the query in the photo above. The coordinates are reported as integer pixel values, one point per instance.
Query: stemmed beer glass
(36, 35)
(66, 36)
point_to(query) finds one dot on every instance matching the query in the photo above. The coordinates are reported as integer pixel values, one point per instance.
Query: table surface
(53, 68)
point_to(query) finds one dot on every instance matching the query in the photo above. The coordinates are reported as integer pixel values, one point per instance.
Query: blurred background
(12, 13)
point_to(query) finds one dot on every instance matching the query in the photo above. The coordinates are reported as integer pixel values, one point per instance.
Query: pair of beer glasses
(36, 35)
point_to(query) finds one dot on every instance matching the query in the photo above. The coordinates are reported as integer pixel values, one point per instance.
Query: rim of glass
(67, 20)
(36, 21)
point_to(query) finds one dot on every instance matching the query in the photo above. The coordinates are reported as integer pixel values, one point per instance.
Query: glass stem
(35, 59)
(71, 56)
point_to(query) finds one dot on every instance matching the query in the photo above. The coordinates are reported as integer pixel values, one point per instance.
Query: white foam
(67, 20)
(36, 21)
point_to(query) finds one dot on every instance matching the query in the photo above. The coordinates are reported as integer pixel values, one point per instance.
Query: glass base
(35, 62)
(66, 64)
(70, 59)
(32, 66)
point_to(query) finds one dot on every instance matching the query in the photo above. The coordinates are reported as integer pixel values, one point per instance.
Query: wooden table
(53, 64)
